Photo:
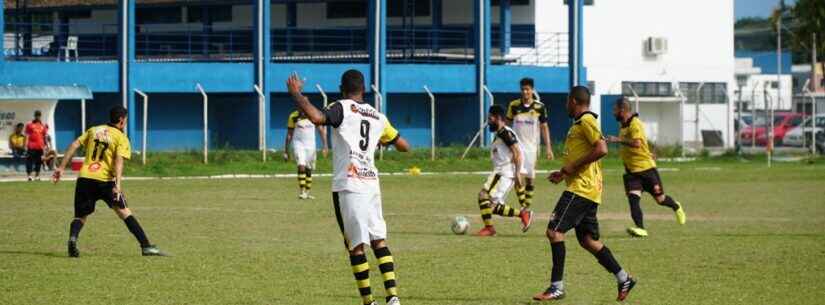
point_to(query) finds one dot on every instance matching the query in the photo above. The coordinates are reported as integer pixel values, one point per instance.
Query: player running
(508, 169)
(357, 131)
(640, 168)
(100, 179)
(529, 119)
(578, 205)
(301, 133)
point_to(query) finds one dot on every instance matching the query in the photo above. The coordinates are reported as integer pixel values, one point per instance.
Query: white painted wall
(700, 39)
(758, 96)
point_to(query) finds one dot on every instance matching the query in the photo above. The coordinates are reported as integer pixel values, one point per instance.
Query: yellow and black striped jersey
(527, 120)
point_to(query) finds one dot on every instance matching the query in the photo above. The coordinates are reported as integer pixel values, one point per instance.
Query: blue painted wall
(766, 60)
(609, 124)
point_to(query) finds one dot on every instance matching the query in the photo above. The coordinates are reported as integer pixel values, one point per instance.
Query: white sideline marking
(293, 176)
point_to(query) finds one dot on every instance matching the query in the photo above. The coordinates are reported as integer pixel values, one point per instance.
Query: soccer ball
(460, 225)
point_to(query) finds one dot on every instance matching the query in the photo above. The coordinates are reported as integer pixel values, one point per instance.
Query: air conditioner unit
(655, 46)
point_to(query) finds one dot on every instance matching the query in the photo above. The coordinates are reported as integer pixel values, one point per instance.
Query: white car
(795, 136)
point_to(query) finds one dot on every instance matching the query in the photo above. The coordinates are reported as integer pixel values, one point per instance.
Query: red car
(782, 123)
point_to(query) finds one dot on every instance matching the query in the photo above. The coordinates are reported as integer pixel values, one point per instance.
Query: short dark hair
(116, 113)
(622, 103)
(526, 82)
(581, 95)
(37, 113)
(19, 125)
(352, 81)
(497, 110)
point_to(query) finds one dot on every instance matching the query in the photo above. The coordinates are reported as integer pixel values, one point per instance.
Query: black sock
(636, 210)
(559, 251)
(74, 229)
(607, 260)
(309, 179)
(137, 231)
(669, 202)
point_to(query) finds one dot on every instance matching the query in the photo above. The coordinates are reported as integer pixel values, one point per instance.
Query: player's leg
(498, 195)
(352, 217)
(653, 184)
(30, 164)
(531, 157)
(587, 233)
(485, 206)
(84, 205)
(566, 215)
(119, 206)
(378, 236)
(302, 180)
(37, 160)
(310, 164)
(633, 189)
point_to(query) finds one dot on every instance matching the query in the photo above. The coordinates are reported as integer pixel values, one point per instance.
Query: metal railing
(550, 50)
(50, 41)
(194, 43)
(341, 45)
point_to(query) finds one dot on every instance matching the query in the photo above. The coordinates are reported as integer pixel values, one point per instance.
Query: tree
(804, 20)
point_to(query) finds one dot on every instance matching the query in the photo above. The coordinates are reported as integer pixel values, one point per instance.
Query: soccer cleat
(303, 196)
(681, 218)
(151, 250)
(310, 197)
(394, 301)
(637, 232)
(625, 287)
(526, 219)
(487, 231)
(550, 294)
(73, 252)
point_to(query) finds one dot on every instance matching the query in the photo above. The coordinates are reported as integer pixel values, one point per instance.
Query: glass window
(346, 9)
(396, 8)
(222, 13)
(159, 15)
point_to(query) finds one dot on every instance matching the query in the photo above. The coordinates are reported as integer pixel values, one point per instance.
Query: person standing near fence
(36, 135)
(17, 145)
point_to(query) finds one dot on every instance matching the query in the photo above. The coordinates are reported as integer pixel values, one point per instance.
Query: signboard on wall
(19, 111)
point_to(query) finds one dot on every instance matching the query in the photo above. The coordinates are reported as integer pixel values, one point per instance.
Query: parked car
(801, 134)
(783, 122)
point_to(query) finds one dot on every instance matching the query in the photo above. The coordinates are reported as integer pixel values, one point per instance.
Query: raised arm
(295, 85)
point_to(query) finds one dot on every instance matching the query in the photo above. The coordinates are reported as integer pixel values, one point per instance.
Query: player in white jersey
(357, 131)
(529, 119)
(301, 133)
(507, 171)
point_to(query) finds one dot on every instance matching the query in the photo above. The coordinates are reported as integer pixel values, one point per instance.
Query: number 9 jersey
(358, 129)
(102, 144)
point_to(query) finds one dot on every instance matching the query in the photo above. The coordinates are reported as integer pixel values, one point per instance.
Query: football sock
(606, 259)
(669, 202)
(504, 210)
(559, 252)
(302, 180)
(636, 210)
(74, 229)
(621, 276)
(521, 193)
(137, 231)
(308, 179)
(387, 267)
(529, 192)
(486, 211)
(361, 270)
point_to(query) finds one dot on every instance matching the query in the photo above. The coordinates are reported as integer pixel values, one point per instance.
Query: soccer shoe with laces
(681, 218)
(625, 287)
(637, 232)
(151, 250)
(73, 252)
(550, 294)
(526, 219)
(487, 231)
(394, 301)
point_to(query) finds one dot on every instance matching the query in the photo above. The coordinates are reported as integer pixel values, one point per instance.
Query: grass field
(754, 236)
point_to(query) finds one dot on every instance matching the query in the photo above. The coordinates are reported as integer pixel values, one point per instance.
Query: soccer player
(507, 156)
(578, 205)
(36, 138)
(301, 133)
(358, 130)
(529, 118)
(640, 168)
(100, 179)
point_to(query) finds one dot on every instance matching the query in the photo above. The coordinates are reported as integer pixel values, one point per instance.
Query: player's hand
(294, 84)
(613, 139)
(58, 172)
(556, 177)
(325, 152)
(118, 193)
(550, 155)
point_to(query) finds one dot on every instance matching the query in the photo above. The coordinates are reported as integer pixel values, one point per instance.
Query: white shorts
(360, 217)
(304, 156)
(530, 158)
(498, 187)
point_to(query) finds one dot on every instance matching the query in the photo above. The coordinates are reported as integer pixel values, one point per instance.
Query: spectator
(17, 145)
(36, 133)
(49, 159)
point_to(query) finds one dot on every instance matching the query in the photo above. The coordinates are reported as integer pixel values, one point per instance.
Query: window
(711, 93)
(513, 2)
(647, 88)
(346, 9)
(77, 14)
(396, 8)
(586, 2)
(222, 13)
(159, 15)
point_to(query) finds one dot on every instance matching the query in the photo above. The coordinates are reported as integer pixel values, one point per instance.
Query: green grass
(754, 236)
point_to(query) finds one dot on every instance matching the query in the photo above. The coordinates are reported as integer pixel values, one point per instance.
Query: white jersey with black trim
(502, 156)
